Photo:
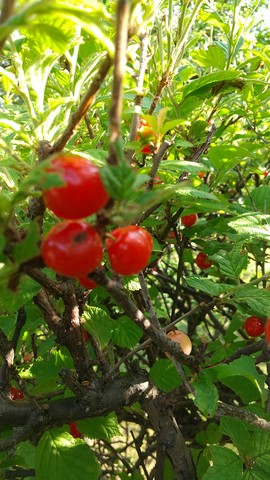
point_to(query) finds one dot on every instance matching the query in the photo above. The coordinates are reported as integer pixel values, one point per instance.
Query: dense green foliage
(198, 73)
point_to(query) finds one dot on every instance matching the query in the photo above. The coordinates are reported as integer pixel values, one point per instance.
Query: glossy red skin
(189, 220)
(131, 250)
(83, 192)
(267, 330)
(202, 262)
(72, 248)
(254, 326)
(15, 393)
(73, 430)
(87, 282)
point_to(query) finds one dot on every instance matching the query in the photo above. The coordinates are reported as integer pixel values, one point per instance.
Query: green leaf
(126, 333)
(206, 397)
(260, 198)
(28, 248)
(46, 371)
(164, 375)
(257, 299)
(99, 324)
(223, 461)
(252, 224)
(100, 427)
(11, 301)
(237, 431)
(64, 457)
(214, 56)
(231, 264)
(258, 456)
(242, 367)
(118, 180)
(209, 80)
(207, 286)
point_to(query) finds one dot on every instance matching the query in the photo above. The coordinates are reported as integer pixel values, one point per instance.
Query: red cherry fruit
(129, 250)
(15, 393)
(267, 330)
(85, 336)
(202, 262)
(72, 248)
(83, 192)
(254, 326)
(189, 220)
(201, 175)
(87, 282)
(73, 430)
(146, 149)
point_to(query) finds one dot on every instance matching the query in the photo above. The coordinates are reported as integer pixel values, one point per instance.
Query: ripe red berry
(15, 393)
(72, 248)
(202, 262)
(267, 330)
(201, 174)
(146, 149)
(189, 220)
(83, 192)
(73, 430)
(129, 250)
(87, 282)
(254, 326)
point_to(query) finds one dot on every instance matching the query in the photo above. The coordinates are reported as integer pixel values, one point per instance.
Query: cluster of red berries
(73, 248)
(201, 260)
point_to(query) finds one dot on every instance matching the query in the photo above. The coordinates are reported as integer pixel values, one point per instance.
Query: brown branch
(85, 104)
(225, 410)
(170, 440)
(156, 162)
(162, 84)
(6, 12)
(122, 15)
(98, 400)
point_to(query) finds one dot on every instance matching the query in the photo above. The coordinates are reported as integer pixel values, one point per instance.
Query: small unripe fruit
(183, 340)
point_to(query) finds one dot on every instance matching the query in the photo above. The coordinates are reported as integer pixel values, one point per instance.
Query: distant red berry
(73, 430)
(83, 192)
(189, 220)
(72, 248)
(146, 149)
(201, 174)
(202, 262)
(254, 326)
(85, 336)
(267, 330)
(15, 393)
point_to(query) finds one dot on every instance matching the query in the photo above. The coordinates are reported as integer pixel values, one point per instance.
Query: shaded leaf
(206, 397)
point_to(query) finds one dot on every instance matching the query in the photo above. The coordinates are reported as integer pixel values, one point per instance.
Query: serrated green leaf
(118, 180)
(46, 370)
(258, 456)
(206, 396)
(207, 286)
(223, 461)
(231, 264)
(164, 375)
(214, 56)
(100, 427)
(126, 333)
(257, 299)
(210, 80)
(99, 324)
(64, 457)
(252, 224)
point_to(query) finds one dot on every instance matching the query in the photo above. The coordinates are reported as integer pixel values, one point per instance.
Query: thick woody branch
(6, 12)
(98, 400)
